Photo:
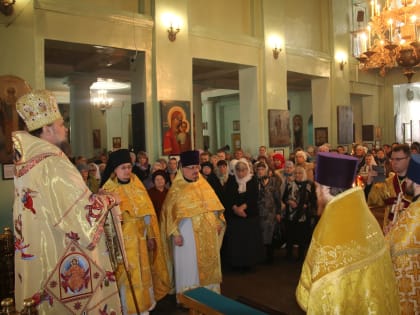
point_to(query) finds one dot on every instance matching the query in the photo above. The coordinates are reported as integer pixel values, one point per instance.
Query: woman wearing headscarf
(242, 248)
(208, 173)
(146, 264)
(268, 206)
(301, 205)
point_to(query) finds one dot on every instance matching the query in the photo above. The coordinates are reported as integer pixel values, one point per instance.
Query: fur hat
(413, 171)
(335, 170)
(38, 108)
(188, 158)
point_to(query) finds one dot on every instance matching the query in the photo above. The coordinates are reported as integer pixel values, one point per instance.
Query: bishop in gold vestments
(61, 261)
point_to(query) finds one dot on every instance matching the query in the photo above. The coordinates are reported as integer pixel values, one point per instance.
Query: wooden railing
(7, 278)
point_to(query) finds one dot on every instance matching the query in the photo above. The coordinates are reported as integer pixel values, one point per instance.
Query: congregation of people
(184, 220)
(270, 201)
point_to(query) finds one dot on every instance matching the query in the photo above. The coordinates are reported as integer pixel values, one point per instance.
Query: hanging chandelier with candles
(101, 100)
(390, 38)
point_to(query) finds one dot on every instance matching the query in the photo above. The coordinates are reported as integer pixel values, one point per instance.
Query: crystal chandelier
(390, 38)
(101, 100)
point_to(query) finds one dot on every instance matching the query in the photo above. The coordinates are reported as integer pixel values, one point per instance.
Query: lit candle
(372, 8)
(368, 36)
(414, 20)
(390, 21)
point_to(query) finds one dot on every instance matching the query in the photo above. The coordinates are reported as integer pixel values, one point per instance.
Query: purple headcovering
(413, 171)
(335, 170)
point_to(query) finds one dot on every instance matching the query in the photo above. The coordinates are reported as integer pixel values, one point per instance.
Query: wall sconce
(172, 23)
(276, 52)
(342, 60)
(172, 32)
(6, 7)
(342, 63)
(275, 43)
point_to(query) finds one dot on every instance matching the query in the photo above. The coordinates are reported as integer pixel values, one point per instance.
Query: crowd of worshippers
(285, 209)
(176, 226)
(263, 203)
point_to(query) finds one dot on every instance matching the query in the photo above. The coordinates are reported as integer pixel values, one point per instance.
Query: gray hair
(289, 164)
(301, 168)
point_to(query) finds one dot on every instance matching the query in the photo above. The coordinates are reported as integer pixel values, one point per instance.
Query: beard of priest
(192, 226)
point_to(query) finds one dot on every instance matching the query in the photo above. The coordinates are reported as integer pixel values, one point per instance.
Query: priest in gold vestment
(192, 225)
(404, 241)
(348, 268)
(142, 242)
(385, 194)
(61, 260)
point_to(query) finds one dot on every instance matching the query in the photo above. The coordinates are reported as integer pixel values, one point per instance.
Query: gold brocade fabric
(404, 241)
(381, 192)
(147, 268)
(61, 260)
(197, 201)
(348, 268)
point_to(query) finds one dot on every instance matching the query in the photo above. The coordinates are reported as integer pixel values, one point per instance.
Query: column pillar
(197, 118)
(81, 138)
(210, 112)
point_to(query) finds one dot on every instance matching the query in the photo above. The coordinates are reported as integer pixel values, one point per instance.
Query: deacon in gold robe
(348, 268)
(192, 225)
(61, 261)
(387, 193)
(404, 241)
(142, 242)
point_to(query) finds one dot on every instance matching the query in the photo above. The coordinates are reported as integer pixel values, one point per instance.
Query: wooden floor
(271, 287)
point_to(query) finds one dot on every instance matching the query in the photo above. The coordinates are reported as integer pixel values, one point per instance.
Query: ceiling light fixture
(101, 100)
(391, 38)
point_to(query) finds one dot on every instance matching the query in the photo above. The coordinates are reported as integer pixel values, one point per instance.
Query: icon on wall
(278, 128)
(176, 127)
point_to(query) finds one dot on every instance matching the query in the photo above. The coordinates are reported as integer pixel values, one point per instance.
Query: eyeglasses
(399, 159)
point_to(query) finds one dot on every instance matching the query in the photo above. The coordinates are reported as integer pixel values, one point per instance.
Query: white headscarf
(242, 181)
(97, 173)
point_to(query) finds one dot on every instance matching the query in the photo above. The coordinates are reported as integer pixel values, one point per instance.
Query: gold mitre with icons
(38, 108)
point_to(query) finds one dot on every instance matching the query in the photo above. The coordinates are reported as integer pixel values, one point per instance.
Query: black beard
(65, 147)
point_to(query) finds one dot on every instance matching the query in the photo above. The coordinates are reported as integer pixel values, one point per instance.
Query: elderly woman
(268, 206)
(141, 235)
(301, 160)
(158, 192)
(300, 212)
(242, 244)
(89, 177)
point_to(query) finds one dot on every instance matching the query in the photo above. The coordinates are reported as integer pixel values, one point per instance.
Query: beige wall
(235, 31)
